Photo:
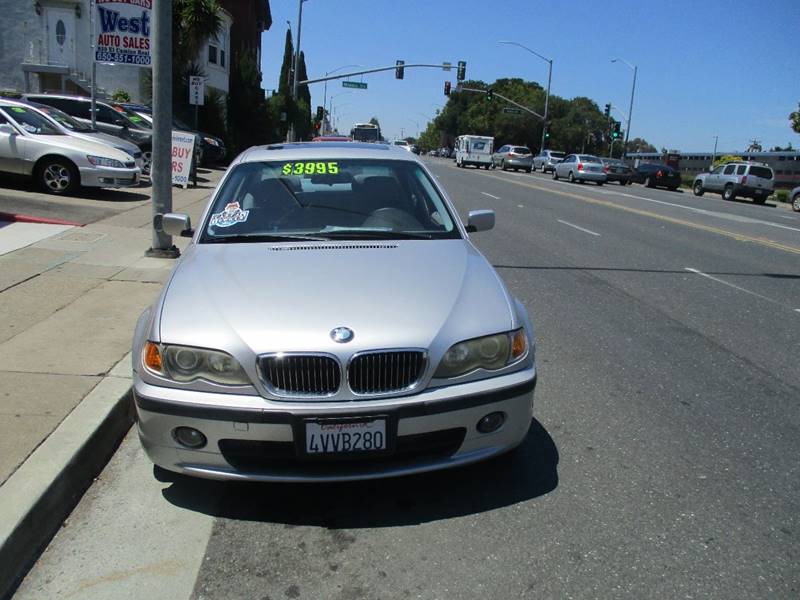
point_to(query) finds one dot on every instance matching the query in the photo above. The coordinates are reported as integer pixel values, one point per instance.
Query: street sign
(512, 111)
(354, 84)
(447, 66)
(197, 94)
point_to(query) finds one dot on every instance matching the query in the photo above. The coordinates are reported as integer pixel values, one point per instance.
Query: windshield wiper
(255, 238)
(375, 234)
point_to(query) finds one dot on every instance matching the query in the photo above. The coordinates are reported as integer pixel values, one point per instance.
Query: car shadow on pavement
(528, 472)
(131, 194)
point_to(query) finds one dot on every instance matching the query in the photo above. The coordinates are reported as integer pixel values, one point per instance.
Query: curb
(41, 493)
(4, 216)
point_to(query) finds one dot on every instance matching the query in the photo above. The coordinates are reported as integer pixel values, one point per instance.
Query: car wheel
(760, 199)
(147, 160)
(57, 176)
(698, 188)
(555, 174)
(599, 183)
(728, 193)
(571, 177)
(529, 170)
(796, 203)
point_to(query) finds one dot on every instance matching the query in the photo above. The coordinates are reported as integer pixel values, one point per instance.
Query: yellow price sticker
(310, 168)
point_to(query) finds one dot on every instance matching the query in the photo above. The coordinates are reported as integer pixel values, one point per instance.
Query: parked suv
(547, 159)
(513, 157)
(108, 120)
(746, 179)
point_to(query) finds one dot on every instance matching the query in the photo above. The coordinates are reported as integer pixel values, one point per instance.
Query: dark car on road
(657, 175)
(618, 171)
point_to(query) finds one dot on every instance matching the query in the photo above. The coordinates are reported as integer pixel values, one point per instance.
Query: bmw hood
(289, 297)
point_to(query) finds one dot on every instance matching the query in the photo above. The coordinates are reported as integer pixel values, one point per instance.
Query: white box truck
(474, 150)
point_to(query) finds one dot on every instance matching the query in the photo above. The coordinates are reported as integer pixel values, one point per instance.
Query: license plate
(344, 437)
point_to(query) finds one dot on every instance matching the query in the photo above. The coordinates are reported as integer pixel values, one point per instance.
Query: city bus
(365, 132)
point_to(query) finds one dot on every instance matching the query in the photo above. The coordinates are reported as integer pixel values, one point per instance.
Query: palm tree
(194, 22)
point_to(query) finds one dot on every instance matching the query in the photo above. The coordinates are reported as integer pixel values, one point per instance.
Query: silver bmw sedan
(331, 320)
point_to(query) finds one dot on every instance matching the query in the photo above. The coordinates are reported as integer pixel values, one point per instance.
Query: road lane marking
(736, 287)
(578, 228)
(520, 206)
(490, 195)
(708, 228)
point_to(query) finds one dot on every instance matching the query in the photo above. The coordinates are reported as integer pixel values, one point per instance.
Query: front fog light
(491, 422)
(189, 437)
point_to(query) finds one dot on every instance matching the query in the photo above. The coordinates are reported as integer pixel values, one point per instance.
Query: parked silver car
(307, 334)
(580, 168)
(746, 179)
(795, 196)
(75, 128)
(546, 159)
(513, 157)
(32, 145)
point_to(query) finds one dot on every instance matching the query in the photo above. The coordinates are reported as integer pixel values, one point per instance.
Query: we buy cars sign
(123, 31)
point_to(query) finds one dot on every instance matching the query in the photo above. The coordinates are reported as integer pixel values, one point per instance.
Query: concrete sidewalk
(69, 304)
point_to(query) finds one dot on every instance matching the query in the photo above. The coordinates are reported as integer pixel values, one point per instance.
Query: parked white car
(32, 145)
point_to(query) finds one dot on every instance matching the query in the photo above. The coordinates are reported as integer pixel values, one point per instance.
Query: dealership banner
(182, 155)
(123, 29)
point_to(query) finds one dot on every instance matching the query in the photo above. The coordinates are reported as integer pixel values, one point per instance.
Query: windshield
(31, 121)
(521, 150)
(588, 158)
(328, 199)
(64, 119)
(135, 118)
(557, 154)
(366, 134)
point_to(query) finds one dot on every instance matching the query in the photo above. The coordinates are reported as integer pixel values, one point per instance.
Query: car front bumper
(251, 438)
(109, 177)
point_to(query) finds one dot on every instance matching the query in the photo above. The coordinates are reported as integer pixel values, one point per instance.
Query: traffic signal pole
(509, 100)
(443, 66)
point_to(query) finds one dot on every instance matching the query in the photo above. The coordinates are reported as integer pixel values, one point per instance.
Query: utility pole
(161, 165)
(94, 64)
(714, 155)
(296, 62)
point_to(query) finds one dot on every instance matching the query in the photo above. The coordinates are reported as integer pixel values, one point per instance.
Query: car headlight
(101, 161)
(185, 363)
(211, 141)
(491, 352)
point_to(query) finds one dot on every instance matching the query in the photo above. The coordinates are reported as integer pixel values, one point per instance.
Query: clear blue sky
(706, 68)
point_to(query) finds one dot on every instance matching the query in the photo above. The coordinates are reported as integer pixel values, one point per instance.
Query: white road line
(790, 217)
(521, 205)
(578, 228)
(490, 195)
(736, 287)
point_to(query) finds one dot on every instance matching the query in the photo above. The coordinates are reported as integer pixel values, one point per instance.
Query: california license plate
(344, 437)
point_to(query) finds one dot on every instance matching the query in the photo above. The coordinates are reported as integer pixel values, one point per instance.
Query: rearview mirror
(177, 224)
(480, 220)
(7, 129)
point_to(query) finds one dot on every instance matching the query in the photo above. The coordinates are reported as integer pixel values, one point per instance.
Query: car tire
(760, 199)
(147, 160)
(529, 170)
(555, 175)
(673, 188)
(697, 189)
(599, 182)
(796, 203)
(728, 193)
(57, 176)
(571, 177)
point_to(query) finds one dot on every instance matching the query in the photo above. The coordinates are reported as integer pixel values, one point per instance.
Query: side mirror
(7, 129)
(480, 220)
(177, 224)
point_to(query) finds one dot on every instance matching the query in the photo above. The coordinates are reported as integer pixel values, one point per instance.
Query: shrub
(121, 95)
(782, 195)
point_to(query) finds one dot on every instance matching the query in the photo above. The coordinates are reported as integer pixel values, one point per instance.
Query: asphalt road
(662, 462)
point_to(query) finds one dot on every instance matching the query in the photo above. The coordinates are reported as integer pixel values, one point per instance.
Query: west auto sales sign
(123, 31)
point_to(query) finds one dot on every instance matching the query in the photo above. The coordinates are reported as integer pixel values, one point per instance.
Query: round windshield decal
(61, 32)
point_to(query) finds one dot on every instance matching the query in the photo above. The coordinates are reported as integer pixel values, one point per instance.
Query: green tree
(302, 121)
(794, 117)
(640, 145)
(725, 159)
(285, 81)
(121, 95)
(248, 114)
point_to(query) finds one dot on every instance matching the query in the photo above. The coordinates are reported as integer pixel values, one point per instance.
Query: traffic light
(462, 70)
(446, 88)
(320, 113)
(615, 132)
(547, 135)
(489, 94)
(399, 70)
(607, 112)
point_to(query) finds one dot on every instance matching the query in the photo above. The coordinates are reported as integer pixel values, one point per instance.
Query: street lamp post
(630, 109)
(330, 103)
(325, 93)
(296, 58)
(549, 62)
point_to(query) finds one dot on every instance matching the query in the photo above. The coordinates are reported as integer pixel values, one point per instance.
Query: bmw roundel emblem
(342, 335)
